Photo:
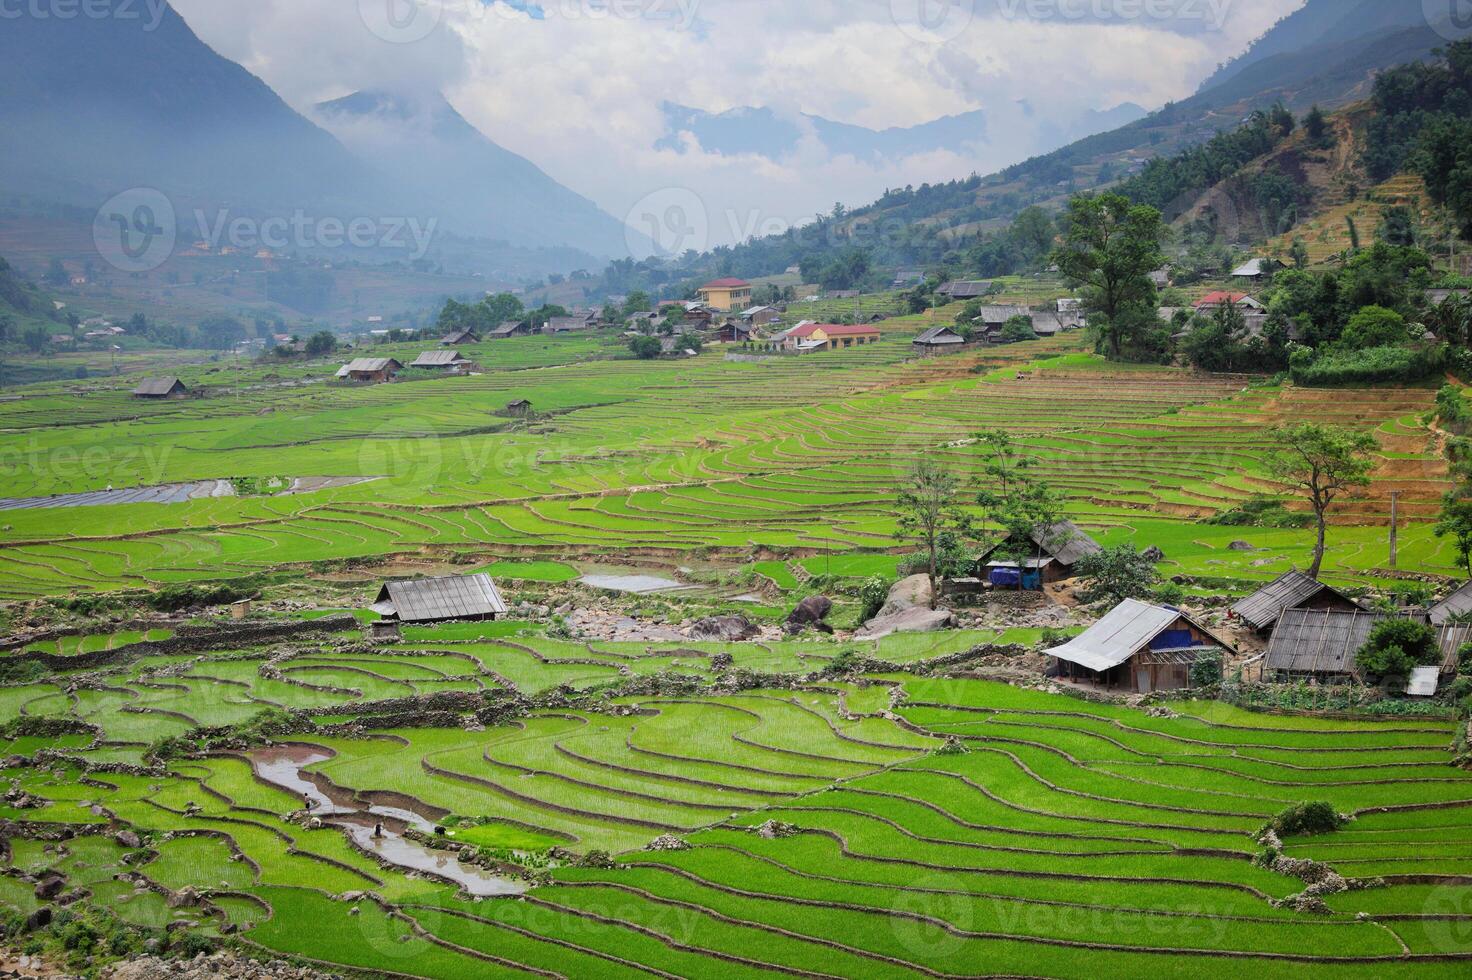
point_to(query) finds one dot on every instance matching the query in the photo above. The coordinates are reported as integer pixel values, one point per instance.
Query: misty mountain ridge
(439, 159)
(772, 134)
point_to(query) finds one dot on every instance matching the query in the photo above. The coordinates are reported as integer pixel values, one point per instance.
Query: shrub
(645, 348)
(1369, 366)
(874, 594)
(1374, 326)
(1395, 646)
(1207, 671)
(1170, 594)
(1464, 660)
(172, 598)
(1116, 574)
(1307, 819)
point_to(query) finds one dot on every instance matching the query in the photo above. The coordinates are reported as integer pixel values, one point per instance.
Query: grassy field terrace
(882, 825)
(669, 458)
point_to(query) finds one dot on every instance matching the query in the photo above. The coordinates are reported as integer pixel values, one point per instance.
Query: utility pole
(1394, 525)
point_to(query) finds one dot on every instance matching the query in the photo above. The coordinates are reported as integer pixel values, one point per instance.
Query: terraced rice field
(668, 460)
(1069, 839)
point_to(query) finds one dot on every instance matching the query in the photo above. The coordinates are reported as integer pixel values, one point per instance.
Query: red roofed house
(726, 295)
(1212, 301)
(828, 336)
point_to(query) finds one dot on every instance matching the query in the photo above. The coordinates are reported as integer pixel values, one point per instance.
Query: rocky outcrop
(727, 629)
(907, 610)
(916, 620)
(224, 965)
(810, 614)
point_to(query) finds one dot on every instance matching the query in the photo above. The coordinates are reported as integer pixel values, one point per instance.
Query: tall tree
(1322, 462)
(1013, 500)
(930, 516)
(1111, 246)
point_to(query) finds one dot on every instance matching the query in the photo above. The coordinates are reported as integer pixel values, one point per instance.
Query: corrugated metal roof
(1423, 682)
(368, 365)
(1066, 542)
(1459, 603)
(1325, 641)
(940, 335)
(1121, 634)
(156, 386)
(433, 599)
(999, 315)
(437, 358)
(1289, 590)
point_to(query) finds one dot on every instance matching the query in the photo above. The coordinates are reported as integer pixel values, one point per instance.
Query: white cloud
(579, 94)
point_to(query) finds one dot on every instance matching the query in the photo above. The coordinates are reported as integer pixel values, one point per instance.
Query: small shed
(1255, 269)
(441, 360)
(457, 337)
(1455, 606)
(938, 340)
(1321, 644)
(440, 600)
(1055, 551)
(519, 409)
(565, 324)
(372, 370)
(161, 388)
(510, 328)
(1137, 647)
(965, 289)
(1292, 590)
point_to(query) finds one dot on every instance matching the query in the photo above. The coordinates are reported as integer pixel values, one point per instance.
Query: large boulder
(728, 629)
(916, 619)
(908, 593)
(811, 612)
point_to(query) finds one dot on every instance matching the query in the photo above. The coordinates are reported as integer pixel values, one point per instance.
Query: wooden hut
(448, 361)
(171, 388)
(1292, 590)
(1139, 648)
(457, 337)
(1321, 644)
(938, 340)
(519, 409)
(440, 600)
(1053, 552)
(370, 370)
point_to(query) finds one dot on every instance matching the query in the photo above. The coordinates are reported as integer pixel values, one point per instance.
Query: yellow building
(726, 295)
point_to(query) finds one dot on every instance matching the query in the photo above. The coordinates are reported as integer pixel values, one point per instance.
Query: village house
(961, 290)
(1138, 648)
(565, 324)
(761, 316)
(991, 319)
(938, 340)
(1456, 606)
(842, 294)
(510, 328)
(370, 370)
(736, 332)
(1053, 553)
(171, 388)
(448, 361)
(1220, 298)
(457, 337)
(1436, 297)
(726, 295)
(1160, 278)
(452, 598)
(1292, 590)
(1321, 645)
(1258, 270)
(810, 337)
(519, 409)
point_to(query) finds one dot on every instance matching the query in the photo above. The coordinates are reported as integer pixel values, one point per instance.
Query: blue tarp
(1009, 578)
(1173, 640)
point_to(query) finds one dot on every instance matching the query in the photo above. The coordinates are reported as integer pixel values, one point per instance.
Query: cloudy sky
(576, 85)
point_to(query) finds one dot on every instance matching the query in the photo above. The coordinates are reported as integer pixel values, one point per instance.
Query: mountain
(439, 159)
(1323, 24)
(96, 104)
(766, 132)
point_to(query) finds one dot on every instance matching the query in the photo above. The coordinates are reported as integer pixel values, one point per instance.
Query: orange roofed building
(828, 336)
(726, 295)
